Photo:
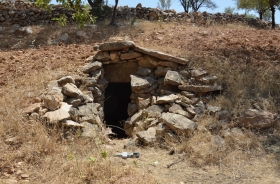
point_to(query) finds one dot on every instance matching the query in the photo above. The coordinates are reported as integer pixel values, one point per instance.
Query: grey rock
(91, 67)
(208, 79)
(161, 71)
(199, 108)
(140, 82)
(188, 94)
(131, 109)
(143, 71)
(130, 123)
(102, 56)
(172, 78)
(143, 103)
(64, 80)
(178, 123)
(213, 109)
(63, 37)
(153, 111)
(75, 102)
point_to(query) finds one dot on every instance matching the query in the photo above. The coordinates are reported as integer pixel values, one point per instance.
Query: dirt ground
(29, 62)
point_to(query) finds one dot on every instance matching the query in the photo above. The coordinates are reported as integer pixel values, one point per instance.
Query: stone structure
(23, 13)
(166, 96)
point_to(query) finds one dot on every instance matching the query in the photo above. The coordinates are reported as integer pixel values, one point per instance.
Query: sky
(222, 4)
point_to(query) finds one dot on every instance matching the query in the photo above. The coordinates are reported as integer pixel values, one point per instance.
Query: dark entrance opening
(117, 97)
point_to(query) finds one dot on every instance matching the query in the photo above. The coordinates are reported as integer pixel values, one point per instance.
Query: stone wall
(23, 13)
(168, 96)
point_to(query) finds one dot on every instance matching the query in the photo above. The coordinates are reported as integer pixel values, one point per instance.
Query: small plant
(92, 159)
(104, 153)
(132, 21)
(135, 163)
(62, 20)
(71, 156)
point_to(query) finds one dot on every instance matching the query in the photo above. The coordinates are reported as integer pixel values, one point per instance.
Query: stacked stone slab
(165, 91)
(26, 13)
(165, 100)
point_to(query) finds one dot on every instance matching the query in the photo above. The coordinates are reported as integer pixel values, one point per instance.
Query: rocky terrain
(221, 81)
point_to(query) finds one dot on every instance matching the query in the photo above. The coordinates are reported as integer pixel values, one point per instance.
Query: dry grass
(245, 63)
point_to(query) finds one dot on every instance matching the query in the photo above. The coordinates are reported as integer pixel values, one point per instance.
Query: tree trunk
(114, 13)
(261, 15)
(272, 8)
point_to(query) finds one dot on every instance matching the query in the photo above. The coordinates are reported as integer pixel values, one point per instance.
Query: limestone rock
(200, 89)
(153, 111)
(152, 60)
(91, 67)
(145, 63)
(116, 45)
(102, 56)
(71, 90)
(143, 103)
(166, 99)
(198, 73)
(140, 82)
(52, 100)
(147, 137)
(130, 55)
(168, 64)
(71, 124)
(172, 77)
(199, 108)
(208, 79)
(143, 71)
(213, 109)
(114, 55)
(161, 71)
(89, 130)
(162, 55)
(64, 80)
(75, 102)
(178, 123)
(32, 108)
(129, 124)
(58, 115)
(187, 94)
(256, 119)
(177, 109)
(89, 113)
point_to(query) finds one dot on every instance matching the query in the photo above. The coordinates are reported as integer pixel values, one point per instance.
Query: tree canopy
(195, 5)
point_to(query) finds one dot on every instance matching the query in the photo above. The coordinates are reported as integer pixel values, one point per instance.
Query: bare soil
(29, 62)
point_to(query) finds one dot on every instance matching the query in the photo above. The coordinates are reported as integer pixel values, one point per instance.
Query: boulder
(172, 78)
(143, 71)
(161, 71)
(64, 80)
(58, 115)
(145, 63)
(91, 67)
(102, 56)
(71, 124)
(178, 123)
(89, 113)
(75, 102)
(147, 137)
(256, 119)
(71, 90)
(198, 73)
(166, 99)
(200, 89)
(89, 130)
(116, 45)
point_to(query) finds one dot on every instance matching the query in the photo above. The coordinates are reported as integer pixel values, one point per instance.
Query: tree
(195, 5)
(260, 6)
(164, 4)
(229, 10)
(114, 13)
(186, 5)
(273, 4)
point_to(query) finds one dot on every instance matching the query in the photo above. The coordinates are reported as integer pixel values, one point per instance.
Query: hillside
(245, 60)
